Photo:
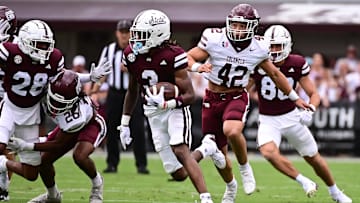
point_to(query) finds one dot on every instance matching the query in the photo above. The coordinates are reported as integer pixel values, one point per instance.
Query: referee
(118, 84)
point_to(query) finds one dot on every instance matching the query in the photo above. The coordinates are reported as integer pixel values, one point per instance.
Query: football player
(152, 58)
(279, 118)
(233, 53)
(28, 66)
(8, 27)
(79, 127)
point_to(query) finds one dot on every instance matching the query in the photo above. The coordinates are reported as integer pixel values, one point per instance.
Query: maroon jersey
(25, 81)
(272, 101)
(160, 66)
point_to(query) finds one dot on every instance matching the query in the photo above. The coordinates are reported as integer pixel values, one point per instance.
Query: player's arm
(131, 96)
(251, 89)
(195, 56)
(310, 90)
(184, 84)
(61, 140)
(282, 83)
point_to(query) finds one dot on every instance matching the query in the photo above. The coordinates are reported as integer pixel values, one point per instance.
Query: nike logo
(251, 49)
(237, 97)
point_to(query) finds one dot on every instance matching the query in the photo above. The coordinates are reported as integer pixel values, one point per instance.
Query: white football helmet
(36, 40)
(278, 34)
(150, 29)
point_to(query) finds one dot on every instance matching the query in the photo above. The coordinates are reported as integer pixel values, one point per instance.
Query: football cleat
(230, 194)
(4, 195)
(215, 154)
(96, 195)
(44, 198)
(340, 197)
(248, 180)
(310, 188)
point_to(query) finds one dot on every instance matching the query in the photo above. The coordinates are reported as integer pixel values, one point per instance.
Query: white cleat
(230, 194)
(215, 154)
(96, 195)
(310, 188)
(44, 198)
(207, 201)
(340, 197)
(248, 180)
(205, 198)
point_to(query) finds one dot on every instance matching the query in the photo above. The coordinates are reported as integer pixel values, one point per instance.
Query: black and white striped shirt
(116, 79)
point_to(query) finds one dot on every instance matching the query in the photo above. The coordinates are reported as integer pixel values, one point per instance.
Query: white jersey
(73, 121)
(231, 67)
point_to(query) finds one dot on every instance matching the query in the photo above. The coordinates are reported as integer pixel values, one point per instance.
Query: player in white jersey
(279, 118)
(79, 127)
(233, 53)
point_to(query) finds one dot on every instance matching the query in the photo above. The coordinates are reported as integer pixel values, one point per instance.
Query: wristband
(29, 147)
(195, 67)
(125, 120)
(293, 96)
(169, 104)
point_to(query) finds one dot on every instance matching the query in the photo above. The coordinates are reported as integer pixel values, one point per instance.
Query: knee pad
(169, 160)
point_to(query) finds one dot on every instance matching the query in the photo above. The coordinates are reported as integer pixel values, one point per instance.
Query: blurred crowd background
(327, 32)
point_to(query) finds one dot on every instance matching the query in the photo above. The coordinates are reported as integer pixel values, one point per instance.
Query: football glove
(158, 100)
(124, 135)
(97, 72)
(306, 117)
(18, 145)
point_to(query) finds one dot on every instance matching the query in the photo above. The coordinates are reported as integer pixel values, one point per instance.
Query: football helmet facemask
(150, 29)
(63, 92)
(246, 15)
(36, 40)
(11, 23)
(278, 35)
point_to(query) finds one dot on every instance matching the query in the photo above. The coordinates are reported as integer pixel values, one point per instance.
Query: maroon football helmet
(11, 26)
(63, 92)
(241, 23)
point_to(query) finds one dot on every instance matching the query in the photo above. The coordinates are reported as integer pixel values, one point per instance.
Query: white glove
(306, 117)
(4, 27)
(18, 145)
(156, 100)
(104, 68)
(124, 135)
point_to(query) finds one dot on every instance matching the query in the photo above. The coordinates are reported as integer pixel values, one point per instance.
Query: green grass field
(127, 186)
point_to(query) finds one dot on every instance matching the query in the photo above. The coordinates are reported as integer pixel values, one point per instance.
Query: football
(171, 91)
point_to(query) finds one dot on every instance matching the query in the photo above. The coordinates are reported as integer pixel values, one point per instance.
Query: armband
(125, 120)
(293, 96)
(195, 67)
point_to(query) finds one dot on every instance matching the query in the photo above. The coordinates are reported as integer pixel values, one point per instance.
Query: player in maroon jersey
(79, 127)
(8, 27)
(151, 58)
(279, 118)
(29, 65)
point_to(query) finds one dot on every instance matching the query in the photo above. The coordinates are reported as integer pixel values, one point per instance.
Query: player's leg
(305, 144)
(212, 124)
(179, 129)
(89, 138)
(160, 138)
(208, 148)
(234, 116)
(47, 169)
